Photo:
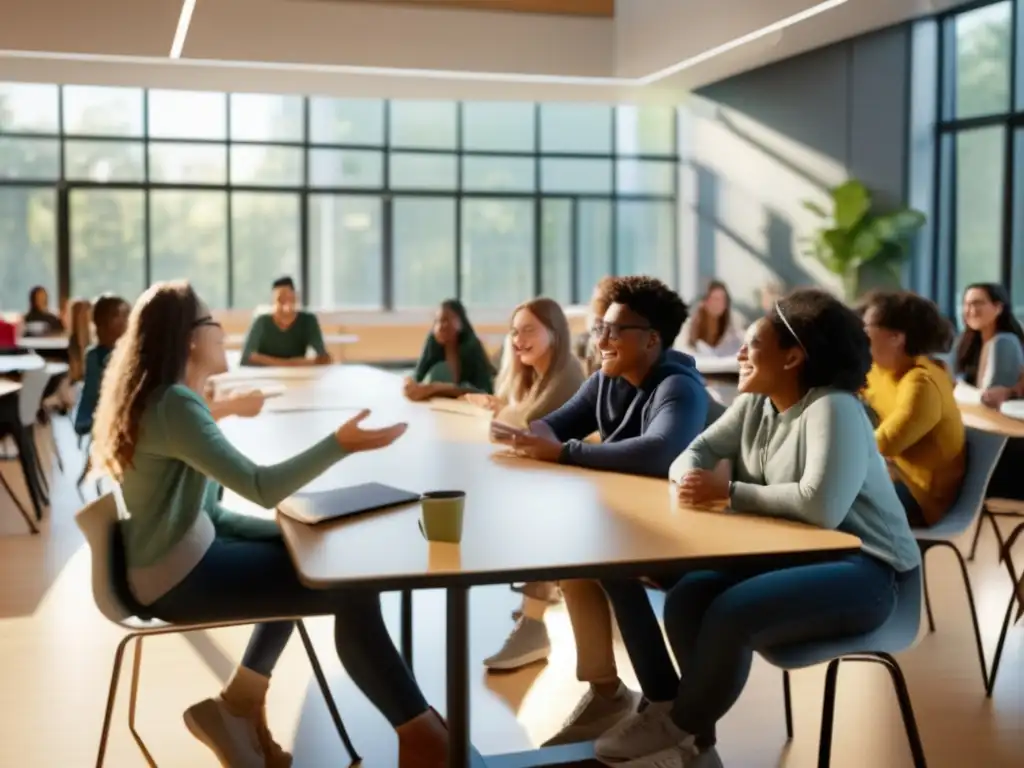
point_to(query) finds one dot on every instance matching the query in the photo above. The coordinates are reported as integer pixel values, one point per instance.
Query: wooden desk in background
(987, 419)
(524, 520)
(8, 387)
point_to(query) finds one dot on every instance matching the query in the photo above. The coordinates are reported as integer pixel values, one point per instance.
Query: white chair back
(30, 397)
(96, 521)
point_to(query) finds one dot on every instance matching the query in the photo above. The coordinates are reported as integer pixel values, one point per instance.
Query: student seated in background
(585, 346)
(190, 560)
(920, 431)
(39, 320)
(989, 356)
(802, 448)
(8, 336)
(989, 353)
(539, 375)
(711, 328)
(453, 362)
(647, 403)
(283, 337)
(110, 318)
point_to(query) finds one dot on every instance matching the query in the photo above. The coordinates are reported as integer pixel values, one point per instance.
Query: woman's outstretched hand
(353, 438)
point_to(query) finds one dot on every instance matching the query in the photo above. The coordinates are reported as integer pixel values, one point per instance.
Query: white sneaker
(233, 739)
(648, 731)
(528, 643)
(681, 755)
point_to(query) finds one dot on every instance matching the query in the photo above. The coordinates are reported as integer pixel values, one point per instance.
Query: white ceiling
(359, 49)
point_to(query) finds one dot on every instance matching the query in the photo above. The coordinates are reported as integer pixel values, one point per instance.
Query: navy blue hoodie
(643, 429)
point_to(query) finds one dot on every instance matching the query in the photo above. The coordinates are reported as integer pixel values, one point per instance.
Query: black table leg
(407, 629)
(458, 677)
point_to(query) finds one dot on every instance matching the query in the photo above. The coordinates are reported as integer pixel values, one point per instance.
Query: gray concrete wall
(757, 145)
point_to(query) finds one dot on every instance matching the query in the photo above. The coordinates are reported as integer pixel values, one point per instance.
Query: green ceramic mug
(442, 515)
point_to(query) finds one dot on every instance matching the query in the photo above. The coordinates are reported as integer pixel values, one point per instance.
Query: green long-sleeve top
(170, 491)
(817, 463)
(476, 371)
(266, 337)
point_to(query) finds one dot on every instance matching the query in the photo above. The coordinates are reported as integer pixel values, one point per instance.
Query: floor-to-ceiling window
(370, 204)
(980, 221)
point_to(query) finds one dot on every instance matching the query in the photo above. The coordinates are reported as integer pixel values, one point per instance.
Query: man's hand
(542, 447)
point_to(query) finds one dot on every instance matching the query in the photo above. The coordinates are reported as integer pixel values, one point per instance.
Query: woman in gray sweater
(801, 448)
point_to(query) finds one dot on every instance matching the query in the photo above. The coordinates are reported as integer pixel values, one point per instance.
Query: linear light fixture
(188, 6)
(184, 21)
(757, 34)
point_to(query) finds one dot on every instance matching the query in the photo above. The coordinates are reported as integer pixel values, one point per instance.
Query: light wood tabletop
(523, 519)
(988, 419)
(8, 387)
(711, 365)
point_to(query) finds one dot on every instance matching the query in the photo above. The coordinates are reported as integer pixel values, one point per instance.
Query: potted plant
(854, 236)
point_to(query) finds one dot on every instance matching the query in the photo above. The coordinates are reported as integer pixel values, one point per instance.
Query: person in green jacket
(191, 560)
(283, 337)
(453, 362)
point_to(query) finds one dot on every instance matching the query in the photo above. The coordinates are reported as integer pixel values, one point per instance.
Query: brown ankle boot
(423, 742)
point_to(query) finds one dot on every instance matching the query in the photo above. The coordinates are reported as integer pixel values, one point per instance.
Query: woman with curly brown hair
(920, 431)
(191, 561)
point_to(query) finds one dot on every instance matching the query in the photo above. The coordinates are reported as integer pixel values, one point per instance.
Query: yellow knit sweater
(921, 431)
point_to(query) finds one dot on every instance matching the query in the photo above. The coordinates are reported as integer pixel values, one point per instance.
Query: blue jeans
(241, 579)
(717, 620)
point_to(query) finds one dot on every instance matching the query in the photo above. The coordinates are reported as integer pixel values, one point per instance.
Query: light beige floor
(56, 651)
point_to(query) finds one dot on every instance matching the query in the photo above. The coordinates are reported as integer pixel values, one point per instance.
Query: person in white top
(712, 328)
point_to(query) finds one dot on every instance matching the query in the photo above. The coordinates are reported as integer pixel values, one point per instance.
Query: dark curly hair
(151, 356)
(837, 350)
(927, 332)
(968, 350)
(654, 301)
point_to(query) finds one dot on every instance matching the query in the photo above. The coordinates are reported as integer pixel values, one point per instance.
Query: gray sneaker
(528, 643)
(594, 715)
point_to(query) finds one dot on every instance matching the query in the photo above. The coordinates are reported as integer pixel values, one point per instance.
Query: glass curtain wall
(980, 155)
(370, 204)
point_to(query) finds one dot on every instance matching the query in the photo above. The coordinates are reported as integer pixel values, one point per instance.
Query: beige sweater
(538, 403)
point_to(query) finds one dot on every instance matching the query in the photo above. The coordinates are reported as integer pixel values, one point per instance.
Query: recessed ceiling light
(184, 20)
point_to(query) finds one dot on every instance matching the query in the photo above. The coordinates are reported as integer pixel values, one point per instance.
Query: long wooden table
(524, 520)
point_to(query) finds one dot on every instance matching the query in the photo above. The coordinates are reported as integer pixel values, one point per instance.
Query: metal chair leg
(788, 703)
(133, 701)
(1003, 632)
(407, 629)
(977, 533)
(974, 614)
(321, 680)
(899, 683)
(828, 712)
(115, 676)
(927, 596)
(24, 513)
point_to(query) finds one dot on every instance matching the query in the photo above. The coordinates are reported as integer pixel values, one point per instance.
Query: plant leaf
(898, 226)
(852, 201)
(816, 209)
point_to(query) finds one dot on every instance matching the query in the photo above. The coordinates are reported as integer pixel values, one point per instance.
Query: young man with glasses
(647, 402)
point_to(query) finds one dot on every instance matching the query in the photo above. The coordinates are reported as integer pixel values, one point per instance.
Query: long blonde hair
(518, 382)
(79, 337)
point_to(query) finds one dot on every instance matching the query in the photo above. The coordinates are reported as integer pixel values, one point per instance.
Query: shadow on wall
(744, 201)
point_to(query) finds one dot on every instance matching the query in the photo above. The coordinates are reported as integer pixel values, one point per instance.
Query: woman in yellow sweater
(920, 431)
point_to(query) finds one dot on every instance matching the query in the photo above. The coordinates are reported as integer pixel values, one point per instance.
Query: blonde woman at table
(920, 431)
(990, 356)
(539, 375)
(711, 328)
(647, 403)
(453, 362)
(191, 560)
(802, 448)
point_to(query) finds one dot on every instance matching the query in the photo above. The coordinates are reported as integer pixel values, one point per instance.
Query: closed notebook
(312, 507)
